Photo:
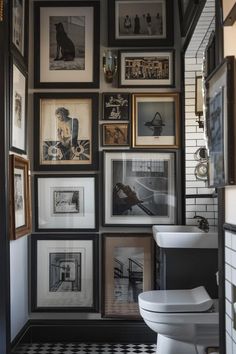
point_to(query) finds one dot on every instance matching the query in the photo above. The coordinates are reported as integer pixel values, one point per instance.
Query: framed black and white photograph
(67, 44)
(66, 131)
(20, 197)
(19, 27)
(18, 108)
(64, 273)
(115, 134)
(66, 202)
(127, 271)
(146, 68)
(139, 188)
(155, 120)
(140, 23)
(116, 106)
(220, 125)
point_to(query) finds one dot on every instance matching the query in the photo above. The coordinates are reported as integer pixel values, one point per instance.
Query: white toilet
(186, 321)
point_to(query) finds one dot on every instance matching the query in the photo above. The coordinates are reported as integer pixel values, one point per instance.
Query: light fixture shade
(198, 96)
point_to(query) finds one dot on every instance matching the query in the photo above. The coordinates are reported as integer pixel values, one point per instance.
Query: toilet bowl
(186, 321)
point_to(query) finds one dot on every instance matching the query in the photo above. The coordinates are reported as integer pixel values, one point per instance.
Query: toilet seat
(179, 301)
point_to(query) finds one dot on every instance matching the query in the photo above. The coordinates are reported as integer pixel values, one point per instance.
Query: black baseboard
(94, 331)
(22, 336)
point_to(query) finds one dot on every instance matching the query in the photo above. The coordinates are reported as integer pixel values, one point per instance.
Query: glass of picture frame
(64, 276)
(66, 37)
(139, 188)
(127, 271)
(66, 202)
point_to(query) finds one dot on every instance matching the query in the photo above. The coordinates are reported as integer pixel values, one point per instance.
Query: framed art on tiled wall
(140, 23)
(66, 202)
(66, 131)
(64, 273)
(139, 188)
(67, 44)
(127, 271)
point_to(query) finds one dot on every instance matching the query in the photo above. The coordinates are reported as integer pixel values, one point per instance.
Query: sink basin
(184, 236)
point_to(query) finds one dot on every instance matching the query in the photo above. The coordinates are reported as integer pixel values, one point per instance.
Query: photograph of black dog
(65, 46)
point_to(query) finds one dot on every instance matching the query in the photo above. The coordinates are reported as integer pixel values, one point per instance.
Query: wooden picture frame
(66, 132)
(18, 107)
(139, 188)
(66, 203)
(116, 105)
(67, 36)
(156, 120)
(128, 269)
(220, 124)
(20, 197)
(140, 23)
(64, 273)
(146, 68)
(19, 29)
(115, 134)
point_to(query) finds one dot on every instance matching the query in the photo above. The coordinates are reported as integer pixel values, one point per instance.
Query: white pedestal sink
(184, 236)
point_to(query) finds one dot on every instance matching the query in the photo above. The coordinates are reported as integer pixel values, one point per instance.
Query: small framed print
(146, 68)
(67, 44)
(115, 134)
(20, 201)
(66, 131)
(140, 23)
(66, 202)
(19, 28)
(139, 188)
(18, 108)
(155, 120)
(128, 271)
(116, 106)
(64, 273)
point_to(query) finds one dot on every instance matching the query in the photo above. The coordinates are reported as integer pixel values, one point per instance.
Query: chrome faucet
(202, 223)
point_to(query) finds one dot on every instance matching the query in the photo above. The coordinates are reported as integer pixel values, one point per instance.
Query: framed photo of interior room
(155, 120)
(19, 28)
(220, 123)
(18, 107)
(149, 68)
(127, 271)
(66, 131)
(66, 202)
(140, 23)
(20, 197)
(67, 41)
(139, 188)
(64, 274)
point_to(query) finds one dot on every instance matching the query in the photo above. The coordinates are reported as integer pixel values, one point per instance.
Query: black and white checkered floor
(83, 348)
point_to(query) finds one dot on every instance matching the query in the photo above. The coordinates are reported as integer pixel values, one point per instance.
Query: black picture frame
(18, 106)
(69, 70)
(149, 37)
(66, 203)
(116, 106)
(43, 288)
(19, 29)
(187, 12)
(51, 154)
(220, 124)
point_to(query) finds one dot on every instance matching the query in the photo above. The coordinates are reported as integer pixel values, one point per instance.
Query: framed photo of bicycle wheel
(66, 131)
(139, 188)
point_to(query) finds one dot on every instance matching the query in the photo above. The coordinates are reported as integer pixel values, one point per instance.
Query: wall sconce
(109, 65)
(199, 101)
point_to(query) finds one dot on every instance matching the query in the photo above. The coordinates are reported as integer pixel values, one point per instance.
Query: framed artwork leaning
(220, 124)
(156, 120)
(66, 131)
(67, 44)
(20, 197)
(64, 275)
(66, 202)
(139, 188)
(128, 260)
(146, 68)
(140, 23)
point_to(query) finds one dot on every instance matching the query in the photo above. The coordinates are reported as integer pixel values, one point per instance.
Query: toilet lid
(191, 300)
